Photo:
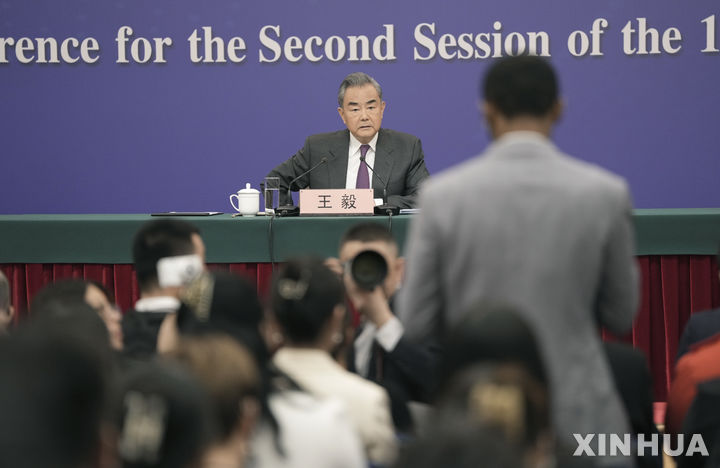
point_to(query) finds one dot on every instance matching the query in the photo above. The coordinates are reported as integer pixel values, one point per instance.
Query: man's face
(362, 111)
(389, 252)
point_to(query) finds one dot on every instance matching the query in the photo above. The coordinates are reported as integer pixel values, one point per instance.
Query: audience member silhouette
(308, 303)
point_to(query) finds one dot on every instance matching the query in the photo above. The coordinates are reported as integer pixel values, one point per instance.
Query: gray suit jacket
(399, 160)
(527, 225)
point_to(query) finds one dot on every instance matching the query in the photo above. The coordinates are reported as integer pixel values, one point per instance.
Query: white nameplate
(320, 202)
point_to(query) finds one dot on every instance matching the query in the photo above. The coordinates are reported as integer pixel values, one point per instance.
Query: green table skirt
(107, 238)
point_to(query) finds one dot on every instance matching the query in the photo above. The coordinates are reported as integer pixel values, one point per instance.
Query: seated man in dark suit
(395, 158)
(700, 327)
(703, 419)
(633, 382)
(156, 240)
(379, 352)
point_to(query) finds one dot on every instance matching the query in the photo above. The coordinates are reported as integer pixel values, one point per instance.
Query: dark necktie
(363, 179)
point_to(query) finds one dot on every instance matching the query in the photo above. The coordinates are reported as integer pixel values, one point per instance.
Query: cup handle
(237, 208)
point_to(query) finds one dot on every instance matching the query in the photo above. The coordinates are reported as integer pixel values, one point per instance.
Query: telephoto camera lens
(368, 269)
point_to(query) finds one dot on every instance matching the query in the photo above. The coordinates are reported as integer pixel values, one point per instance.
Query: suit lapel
(337, 164)
(383, 160)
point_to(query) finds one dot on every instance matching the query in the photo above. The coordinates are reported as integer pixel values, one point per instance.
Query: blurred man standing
(528, 225)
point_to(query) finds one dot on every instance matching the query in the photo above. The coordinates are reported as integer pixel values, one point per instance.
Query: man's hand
(334, 265)
(372, 304)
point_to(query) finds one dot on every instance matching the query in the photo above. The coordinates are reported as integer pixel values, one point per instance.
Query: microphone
(383, 209)
(292, 210)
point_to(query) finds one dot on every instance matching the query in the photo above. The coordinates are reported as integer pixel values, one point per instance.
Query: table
(106, 238)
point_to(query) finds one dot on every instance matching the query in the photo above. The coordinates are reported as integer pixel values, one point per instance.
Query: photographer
(373, 271)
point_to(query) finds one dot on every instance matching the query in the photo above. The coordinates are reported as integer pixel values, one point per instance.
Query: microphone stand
(385, 209)
(292, 210)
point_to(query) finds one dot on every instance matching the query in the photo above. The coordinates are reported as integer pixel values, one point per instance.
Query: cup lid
(248, 189)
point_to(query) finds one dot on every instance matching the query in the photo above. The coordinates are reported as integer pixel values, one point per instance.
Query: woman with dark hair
(88, 291)
(54, 384)
(294, 427)
(493, 374)
(491, 333)
(491, 416)
(308, 305)
(163, 417)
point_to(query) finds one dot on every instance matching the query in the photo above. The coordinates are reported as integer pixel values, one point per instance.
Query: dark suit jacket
(406, 373)
(703, 418)
(634, 384)
(140, 332)
(399, 160)
(701, 326)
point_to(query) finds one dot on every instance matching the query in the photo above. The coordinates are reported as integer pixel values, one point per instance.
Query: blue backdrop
(140, 137)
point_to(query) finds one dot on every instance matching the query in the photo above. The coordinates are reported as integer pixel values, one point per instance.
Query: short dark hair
(63, 292)
(368, 232)
(52, 397)
(304, 295)
(158, 239)
(524, 85)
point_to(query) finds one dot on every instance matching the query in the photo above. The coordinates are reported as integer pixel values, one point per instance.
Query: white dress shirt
(157, 304)
(387, 336)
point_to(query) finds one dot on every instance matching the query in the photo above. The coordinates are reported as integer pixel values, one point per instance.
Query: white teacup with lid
(248, 201)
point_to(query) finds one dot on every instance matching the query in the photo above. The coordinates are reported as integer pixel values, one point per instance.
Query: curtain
(27, 279)
(672, 287)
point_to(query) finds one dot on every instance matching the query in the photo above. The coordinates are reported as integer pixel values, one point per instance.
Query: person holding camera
(372, 270)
